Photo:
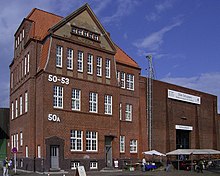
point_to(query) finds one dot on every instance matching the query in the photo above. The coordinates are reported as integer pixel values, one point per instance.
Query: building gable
(82, 26)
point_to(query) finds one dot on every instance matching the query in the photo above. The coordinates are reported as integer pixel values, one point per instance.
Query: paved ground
(215, 172)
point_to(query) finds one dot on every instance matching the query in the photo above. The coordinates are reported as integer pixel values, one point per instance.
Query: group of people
(7, 165)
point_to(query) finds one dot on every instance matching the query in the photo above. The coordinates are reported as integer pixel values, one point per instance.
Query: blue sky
(182, 35)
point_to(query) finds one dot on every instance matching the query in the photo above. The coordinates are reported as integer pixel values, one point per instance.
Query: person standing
(5, 167)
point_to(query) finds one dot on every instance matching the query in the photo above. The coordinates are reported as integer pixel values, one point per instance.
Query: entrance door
(108, 151)
(182, 139)
(54, 157)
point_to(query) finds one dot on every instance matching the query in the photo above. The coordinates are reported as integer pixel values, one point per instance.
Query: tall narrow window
(122, 80)
(23, 33)
(26, 102)
(26, 151)
(130, 82)
(108, 104)
(16, 139)
(12, 110)
(69, 59)
(90, 64)
(107, 68)
(128, 112)
(133, 146)
(22, 68)
(25, 65)
(16, 108)
(58, 97)
(76, 140)
(99, 66)
(76, 96)
(21, 138)
(91, 141)
(59, 56)
(120, 111)
(93, 102)
(80, 61)
(118, 77)
(21, 105)
(122, 144)
(12, 80)
(28, 63)
(38, 151)
(12, 141)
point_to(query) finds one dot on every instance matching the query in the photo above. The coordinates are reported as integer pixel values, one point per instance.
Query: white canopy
(153, 152)
(194, 152)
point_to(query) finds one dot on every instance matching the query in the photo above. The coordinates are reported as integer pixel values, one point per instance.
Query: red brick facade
(39, 139)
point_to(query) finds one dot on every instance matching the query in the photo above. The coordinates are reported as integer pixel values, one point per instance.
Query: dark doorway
(108, 150)
(182, 139)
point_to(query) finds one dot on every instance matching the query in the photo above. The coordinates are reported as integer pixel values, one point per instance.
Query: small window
(133, 146)
(122, 144)
(99, 66)
(69, 59)
(108, 104)
(58, 97)
(59, 53)
(128, 112)
(74, 165)
(80, 61)
(90, 64)
(93, 165)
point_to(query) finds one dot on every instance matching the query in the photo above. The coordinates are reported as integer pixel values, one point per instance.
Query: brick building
(78, 99)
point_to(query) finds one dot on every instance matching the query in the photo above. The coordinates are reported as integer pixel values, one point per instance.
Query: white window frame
(91, 141)
(28, 63)
(130, 81)
(23, 33)
(80, 61)
(93, 102)
(22, 68)
(25, 65)
(12, 141)
(21, 138)
(21, 105)
(107, 68)
(128, 112)
(58, 97)
(69, 59)
(26, 102)
(99, 66)
(108, 104)
(12, 110)
(76, 140)
(26, 151)
(76, 99)
(74, 165)
(59, 56)
(120, 111)
(122, 80)
(16, 140)
(90, 64)
(118, 77)
(133, 146)
(16, 108)
(38, 151)
(122, 144)
(93, 165)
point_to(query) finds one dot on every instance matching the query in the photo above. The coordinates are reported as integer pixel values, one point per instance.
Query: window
(76, 96)
(59, 56)
(93, 102)
(12, 141)
(74, 165)
(99, 66)
(12, 80)
(107, 68)
(130, 82)
(22, 68)
(21, 138)
(128, 112)
(133, 146)
(16, 44)
(25, 65)
(93, 165)
(90, 64)
(80, 61)
(16, 141)
(122, 80)
(69, 59)
(26, 151)
(12, 110)
(58, 97)
(20, 37)
(118, 77)
(122, 144)
(28, 63)
(76, 140)
(16, 108)
(120, 111)
(91, 141)
(26, 102)
(21, 105)
(38, 151)
(23, 33)
(108, 104)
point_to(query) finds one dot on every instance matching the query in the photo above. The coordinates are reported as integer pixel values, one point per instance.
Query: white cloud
(207, 82)
(124, 8)
(155, 40)
(101, 5)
